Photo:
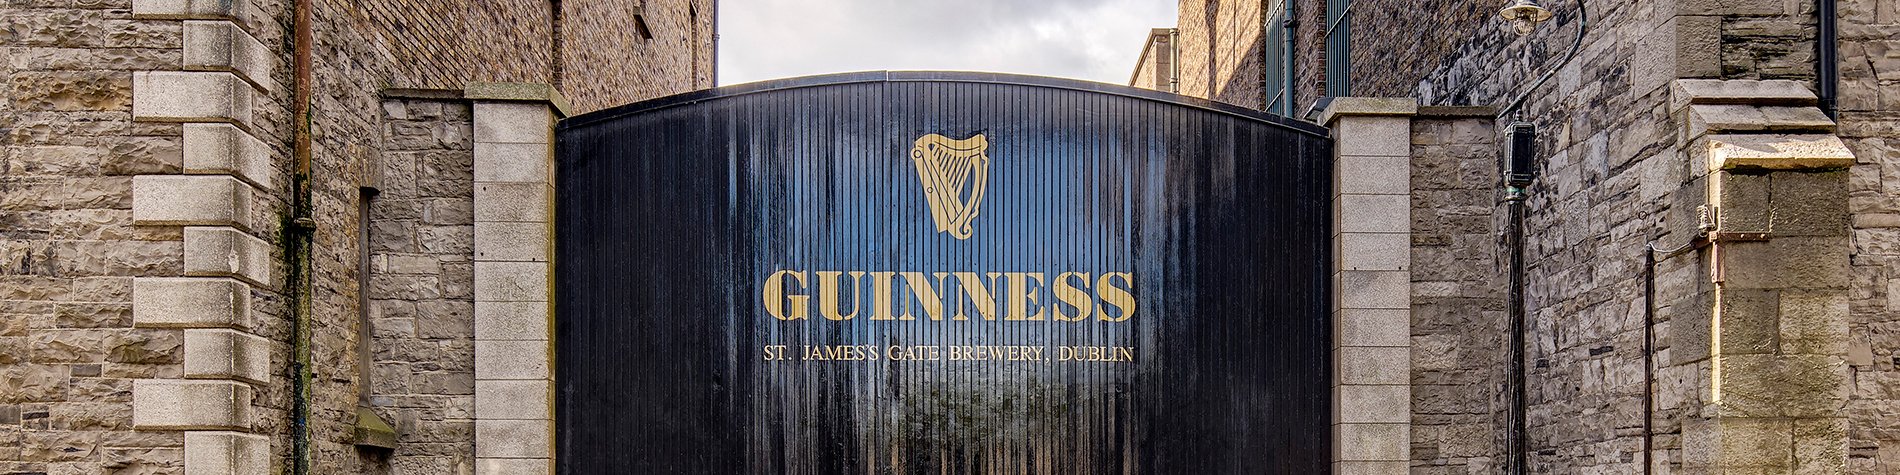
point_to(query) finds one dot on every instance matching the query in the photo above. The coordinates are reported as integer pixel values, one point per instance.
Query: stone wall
(1869, 118)
(1155, 68)
(1458, 309)
(421, 304)
(144, 192)
(1617, 174)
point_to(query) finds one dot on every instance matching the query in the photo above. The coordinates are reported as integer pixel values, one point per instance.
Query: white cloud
(1082, 39)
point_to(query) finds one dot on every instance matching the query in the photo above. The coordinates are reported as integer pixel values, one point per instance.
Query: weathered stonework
(1624, 160)
(421, 299)
(148, 177)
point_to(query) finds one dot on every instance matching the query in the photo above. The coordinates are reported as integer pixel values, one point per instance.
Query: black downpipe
(1649, 358)
(1288, 23)
(1827, 67)
(1514, 243)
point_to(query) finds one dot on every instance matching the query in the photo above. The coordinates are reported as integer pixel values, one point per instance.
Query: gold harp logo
(953, 173)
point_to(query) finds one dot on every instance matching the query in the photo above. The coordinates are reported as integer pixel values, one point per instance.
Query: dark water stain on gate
(675, 214)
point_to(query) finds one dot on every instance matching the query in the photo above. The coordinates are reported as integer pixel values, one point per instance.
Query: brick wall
(1220, 48)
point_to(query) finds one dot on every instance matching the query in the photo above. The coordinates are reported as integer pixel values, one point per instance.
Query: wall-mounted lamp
(1524, 15)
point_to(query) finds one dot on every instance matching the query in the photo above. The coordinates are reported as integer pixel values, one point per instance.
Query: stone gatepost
(1372, 349)
(1760, 347)
(514, 283)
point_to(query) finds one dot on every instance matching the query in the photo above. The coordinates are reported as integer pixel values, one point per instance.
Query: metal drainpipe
(1827, 66)
(1174, 60)
(1287, 27)
(1514, 242)
(299, 231)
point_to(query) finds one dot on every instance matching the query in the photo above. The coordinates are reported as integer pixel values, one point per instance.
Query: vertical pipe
(1174, 60)
(1514, 244)
(1827, 67)
(1649, 357)
(299, 232)
(557, 67)
(1288, 24)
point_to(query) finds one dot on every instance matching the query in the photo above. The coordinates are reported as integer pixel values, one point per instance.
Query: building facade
(1707, 243)
(263, 236)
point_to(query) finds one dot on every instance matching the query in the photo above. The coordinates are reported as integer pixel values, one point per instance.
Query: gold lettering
(1022, 296)
(828, 295)
(1119, 297)
(775, 297)
(1073, 296)
(979, 294)
(926, 295)
(881, 295)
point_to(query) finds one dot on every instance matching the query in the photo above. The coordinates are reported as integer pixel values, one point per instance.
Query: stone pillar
(1372, 349)
(226, 257)
(1770, 336)
(514, 203)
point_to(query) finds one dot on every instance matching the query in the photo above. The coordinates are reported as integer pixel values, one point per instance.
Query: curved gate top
(910, 272)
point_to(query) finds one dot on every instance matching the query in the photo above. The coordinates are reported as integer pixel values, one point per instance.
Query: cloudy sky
(1082, 39)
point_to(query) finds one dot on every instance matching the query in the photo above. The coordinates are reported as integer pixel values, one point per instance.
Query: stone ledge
(173, 200)
(226, 252)
(219, 354)
(1775, 152)
(176, 404)
(222, 46)
(226, 149)
(1364, 106)
(193, 96)
(1775, 92)
(220, 453)
(517, 91)
(190, 302)
(1703, 119)
(189, 8)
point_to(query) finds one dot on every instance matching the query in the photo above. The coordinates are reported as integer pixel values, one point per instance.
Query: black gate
(941, 272)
